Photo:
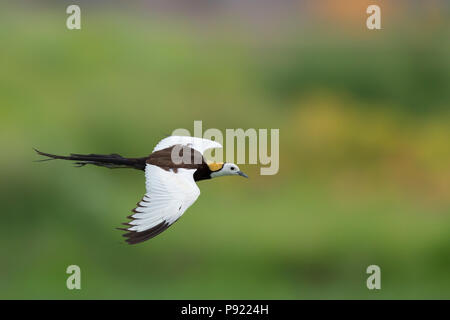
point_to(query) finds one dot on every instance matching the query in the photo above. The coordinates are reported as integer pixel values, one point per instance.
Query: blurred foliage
(364, 159)
(413, 75)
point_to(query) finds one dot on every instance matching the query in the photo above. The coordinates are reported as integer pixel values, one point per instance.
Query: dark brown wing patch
(163, 158)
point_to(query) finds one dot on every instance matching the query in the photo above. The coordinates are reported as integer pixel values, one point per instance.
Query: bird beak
(242, 174)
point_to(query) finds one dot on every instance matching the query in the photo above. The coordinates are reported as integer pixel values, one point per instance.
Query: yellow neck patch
(215, 166)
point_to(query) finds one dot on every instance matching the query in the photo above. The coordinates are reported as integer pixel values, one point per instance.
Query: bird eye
(233, 168)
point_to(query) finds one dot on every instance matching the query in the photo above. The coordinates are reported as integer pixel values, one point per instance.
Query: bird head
(225, 169)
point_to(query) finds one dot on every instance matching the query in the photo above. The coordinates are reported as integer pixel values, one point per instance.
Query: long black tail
(111, 161)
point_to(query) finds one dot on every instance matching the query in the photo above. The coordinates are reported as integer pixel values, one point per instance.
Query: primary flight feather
(171, 172)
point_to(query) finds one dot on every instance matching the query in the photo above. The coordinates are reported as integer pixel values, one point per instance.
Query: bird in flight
(171, 172)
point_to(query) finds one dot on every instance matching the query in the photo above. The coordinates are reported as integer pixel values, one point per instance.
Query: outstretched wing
(168, 196)
(199, 144)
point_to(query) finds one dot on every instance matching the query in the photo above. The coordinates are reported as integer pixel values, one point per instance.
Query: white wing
(199, 144)
(168, 196)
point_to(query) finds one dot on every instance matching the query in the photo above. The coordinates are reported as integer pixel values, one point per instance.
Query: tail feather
(111, 161)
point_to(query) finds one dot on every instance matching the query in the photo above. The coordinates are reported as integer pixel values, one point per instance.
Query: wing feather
(169, 194)
(199, 144)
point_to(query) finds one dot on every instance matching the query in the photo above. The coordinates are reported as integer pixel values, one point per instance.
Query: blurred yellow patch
(215, 166)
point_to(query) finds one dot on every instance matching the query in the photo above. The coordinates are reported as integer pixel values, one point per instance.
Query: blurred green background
(364, 148)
